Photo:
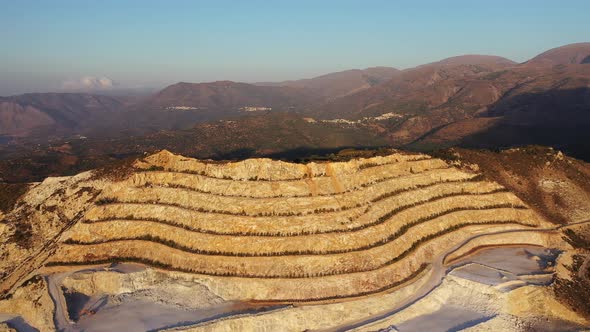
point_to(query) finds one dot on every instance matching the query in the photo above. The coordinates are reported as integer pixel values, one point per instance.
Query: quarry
(399, 242)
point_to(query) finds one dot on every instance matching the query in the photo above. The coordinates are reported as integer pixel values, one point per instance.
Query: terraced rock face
(263, 231)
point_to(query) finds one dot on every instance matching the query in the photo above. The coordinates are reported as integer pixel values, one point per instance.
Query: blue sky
(154, 43)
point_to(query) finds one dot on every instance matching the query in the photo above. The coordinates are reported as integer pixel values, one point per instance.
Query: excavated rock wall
(269, 230)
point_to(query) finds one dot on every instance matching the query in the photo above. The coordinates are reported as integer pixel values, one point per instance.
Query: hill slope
(546, 106)
(56, 113)
(564, 55)
(226, 96)
(415, 91)
(447, 102)
(342, 83)
(474, 59)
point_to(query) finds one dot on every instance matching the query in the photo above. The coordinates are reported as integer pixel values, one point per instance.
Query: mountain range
(471, 100)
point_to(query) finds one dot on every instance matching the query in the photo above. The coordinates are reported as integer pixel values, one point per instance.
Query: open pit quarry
(402, 242)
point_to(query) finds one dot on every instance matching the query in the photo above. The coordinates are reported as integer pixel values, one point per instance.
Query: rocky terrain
(394, 240)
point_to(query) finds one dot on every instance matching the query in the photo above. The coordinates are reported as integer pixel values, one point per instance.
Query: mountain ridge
(471, 59)
(55, 112)
(563, 55)
(342, 83)
(469, 99)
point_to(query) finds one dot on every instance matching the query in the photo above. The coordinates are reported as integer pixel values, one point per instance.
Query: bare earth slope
(342, 83)
(480, 101)
(56, 113)
(568, 54)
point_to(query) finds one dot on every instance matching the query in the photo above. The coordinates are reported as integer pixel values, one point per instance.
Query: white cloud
(89, 83)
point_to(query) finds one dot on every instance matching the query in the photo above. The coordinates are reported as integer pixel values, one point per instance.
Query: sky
(116, 44)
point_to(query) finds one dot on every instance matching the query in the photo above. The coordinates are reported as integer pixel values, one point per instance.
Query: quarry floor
(503, 268)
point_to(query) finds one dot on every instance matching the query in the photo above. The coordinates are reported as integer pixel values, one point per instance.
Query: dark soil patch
(118, 170)
(576, 292)
(9, 194)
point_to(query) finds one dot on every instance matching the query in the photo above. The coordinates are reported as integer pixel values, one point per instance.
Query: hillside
(342, 83)
(435, 107)
(472, 101)
(491, 104)
(226, 96)
(263, 243)
(474, 59)
(278, 134)
(565, 55)
(56, 113)
(554, 184)
(537, 106)
(416, 90)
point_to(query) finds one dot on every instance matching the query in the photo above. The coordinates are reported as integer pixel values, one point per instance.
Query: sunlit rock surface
(402, 242)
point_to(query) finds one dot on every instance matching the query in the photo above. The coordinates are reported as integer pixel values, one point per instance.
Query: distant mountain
(477, 101)
(415, 90)
(182, 105)
(560, 95)
(52, 113)
(226, 96)
(565, 55)
(342, 83)
(535, 105)
(469, 100)
(474, 59)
